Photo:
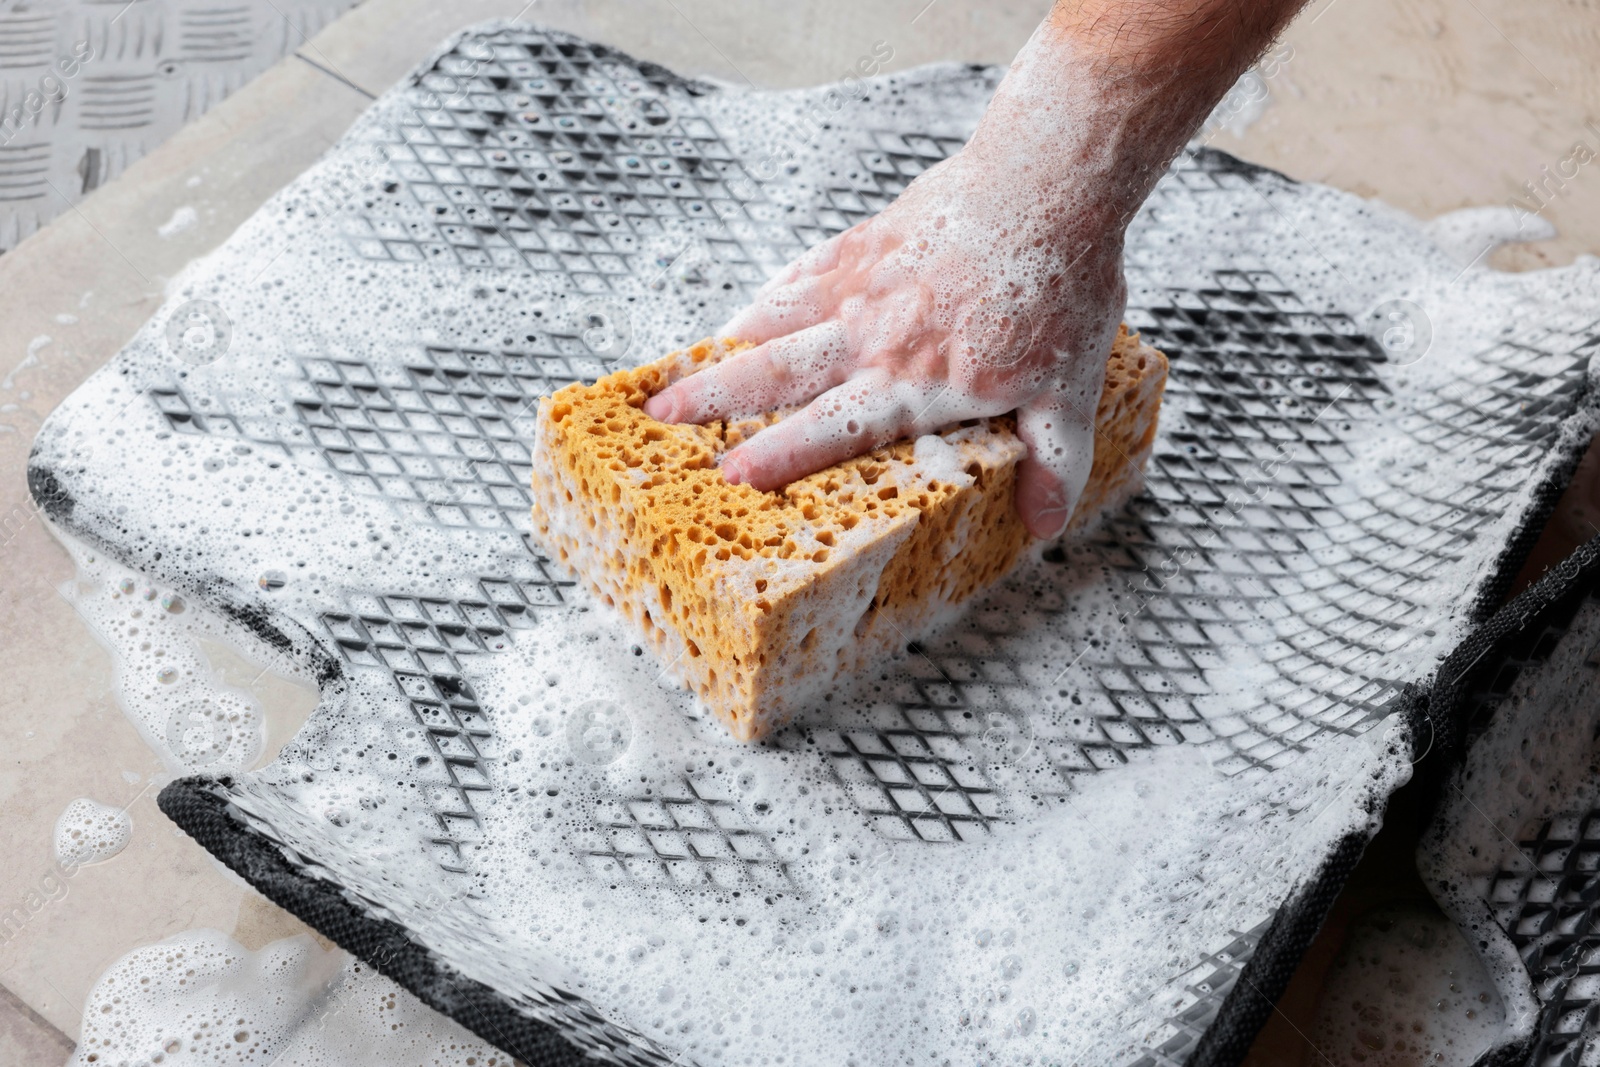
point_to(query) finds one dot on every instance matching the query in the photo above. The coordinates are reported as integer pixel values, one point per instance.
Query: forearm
(1210, 40)
(1114, 88)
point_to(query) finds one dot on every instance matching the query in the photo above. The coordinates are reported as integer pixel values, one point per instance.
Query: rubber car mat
(1511, 853)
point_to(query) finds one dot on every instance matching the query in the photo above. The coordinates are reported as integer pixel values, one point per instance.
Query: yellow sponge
(762, 601)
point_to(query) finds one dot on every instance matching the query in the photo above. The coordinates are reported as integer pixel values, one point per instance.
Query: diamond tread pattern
(1547, 898)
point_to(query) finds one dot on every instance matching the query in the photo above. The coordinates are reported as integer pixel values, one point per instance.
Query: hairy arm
(994, 283)
(1137, 76)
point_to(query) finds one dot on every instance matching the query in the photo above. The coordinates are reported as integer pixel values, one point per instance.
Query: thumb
(1051, 478)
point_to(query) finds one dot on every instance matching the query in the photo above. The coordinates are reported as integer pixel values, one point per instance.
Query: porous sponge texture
(761, 601)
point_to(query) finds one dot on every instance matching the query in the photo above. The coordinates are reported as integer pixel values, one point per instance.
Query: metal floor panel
(88, 88)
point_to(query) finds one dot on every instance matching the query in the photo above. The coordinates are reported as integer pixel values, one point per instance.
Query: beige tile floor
(1431, 105)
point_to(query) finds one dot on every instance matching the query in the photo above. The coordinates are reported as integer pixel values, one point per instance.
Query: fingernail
(731, 471)
(661, 407)
(1052, 521)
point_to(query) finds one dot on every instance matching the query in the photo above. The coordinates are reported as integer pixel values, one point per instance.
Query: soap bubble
(272, 581)
(606, 327)
(198, 734)
(1402, 329)
(599, 731)
(90, 832)
(1007, 738)
(999, 332)
(199, 332)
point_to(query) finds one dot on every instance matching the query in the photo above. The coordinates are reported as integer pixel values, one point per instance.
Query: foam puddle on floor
(165, 684)
(201, 704)
(1406, 990)
(200, 999)
(90, 832)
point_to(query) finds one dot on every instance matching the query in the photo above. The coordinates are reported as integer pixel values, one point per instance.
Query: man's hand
(994, 283)
(956, 302)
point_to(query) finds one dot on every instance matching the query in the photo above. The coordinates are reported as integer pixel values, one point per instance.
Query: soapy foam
(1538, 757)
(164, 684)
(88, 832)
(1537, 761)
(182, 219)
(200, 999)
(1036, 937)
(1471, 233)
(1406, 990)
(892, 945)
(751, 909)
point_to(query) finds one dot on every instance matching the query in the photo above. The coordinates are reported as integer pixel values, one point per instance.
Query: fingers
(781, 305)
(818, 259)
(872, 408)
(790, 370)
(1050, 480)
(846, 421)
(785, 310)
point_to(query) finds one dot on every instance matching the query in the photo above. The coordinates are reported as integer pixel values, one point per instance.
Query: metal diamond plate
(87, 88)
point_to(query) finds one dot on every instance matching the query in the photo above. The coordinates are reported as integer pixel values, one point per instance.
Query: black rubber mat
(1323, 524)
(1513, 852)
